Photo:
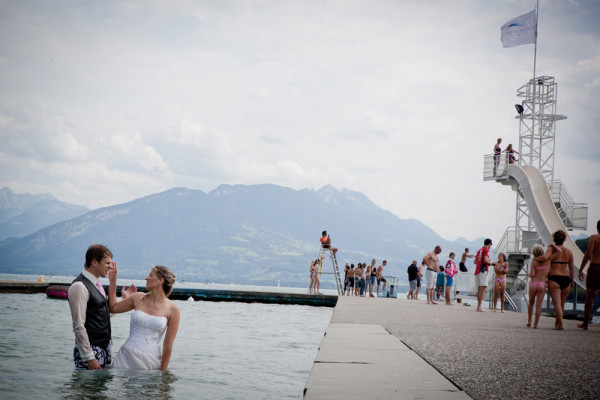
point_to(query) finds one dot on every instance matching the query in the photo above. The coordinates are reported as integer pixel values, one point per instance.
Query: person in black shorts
(350, 287)
(326, 242)
(463, 259)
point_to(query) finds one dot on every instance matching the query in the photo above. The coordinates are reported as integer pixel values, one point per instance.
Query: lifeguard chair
(334, 264)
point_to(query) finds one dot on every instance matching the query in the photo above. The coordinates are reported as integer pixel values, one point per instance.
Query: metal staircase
(336, 271)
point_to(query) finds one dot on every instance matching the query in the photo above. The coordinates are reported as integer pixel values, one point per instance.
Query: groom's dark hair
(96, 252)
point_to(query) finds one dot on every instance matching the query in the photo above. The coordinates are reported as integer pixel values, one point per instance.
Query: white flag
(519, 30)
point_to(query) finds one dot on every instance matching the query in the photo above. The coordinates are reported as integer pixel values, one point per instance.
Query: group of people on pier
(364, 278)
(551, 269)
(358, 281)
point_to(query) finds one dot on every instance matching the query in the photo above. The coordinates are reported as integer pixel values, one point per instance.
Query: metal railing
(574, 215)
(495, 166)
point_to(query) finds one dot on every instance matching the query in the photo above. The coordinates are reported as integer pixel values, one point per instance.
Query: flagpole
(536, 34)
(534, 83)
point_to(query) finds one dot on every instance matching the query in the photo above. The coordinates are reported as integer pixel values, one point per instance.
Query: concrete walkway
(397, 348)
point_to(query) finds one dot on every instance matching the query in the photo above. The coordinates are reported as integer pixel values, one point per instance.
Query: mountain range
(244, 234)
(23, 214)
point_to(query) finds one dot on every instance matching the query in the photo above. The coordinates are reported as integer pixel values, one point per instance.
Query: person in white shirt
(90, 311)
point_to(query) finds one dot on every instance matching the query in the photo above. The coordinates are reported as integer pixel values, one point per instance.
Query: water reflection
(88, 384)
(110, 384)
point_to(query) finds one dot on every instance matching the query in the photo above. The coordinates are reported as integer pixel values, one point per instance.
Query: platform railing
(495, 166)
(574, 215)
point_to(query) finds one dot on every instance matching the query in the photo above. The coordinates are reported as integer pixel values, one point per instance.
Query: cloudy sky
(105, 102)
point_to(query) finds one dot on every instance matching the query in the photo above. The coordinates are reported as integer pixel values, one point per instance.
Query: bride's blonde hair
(167, 276)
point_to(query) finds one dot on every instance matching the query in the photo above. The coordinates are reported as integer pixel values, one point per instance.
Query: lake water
(222, 351)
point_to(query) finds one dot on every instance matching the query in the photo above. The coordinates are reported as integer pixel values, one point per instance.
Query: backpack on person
(481, 267)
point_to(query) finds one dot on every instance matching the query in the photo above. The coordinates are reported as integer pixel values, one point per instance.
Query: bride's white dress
(142, 348)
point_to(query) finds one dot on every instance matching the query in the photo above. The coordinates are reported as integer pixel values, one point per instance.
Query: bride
(154, 314)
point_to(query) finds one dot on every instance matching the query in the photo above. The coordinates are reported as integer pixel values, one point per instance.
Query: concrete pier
(398, 348)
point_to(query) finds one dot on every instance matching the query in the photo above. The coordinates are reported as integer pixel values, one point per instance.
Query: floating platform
(242, 296)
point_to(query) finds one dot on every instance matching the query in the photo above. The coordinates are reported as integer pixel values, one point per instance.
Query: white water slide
(542, 211)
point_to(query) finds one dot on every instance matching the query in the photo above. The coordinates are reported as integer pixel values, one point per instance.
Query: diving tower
(543, 204)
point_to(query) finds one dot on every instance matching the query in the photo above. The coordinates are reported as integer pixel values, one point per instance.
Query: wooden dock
(242, 296)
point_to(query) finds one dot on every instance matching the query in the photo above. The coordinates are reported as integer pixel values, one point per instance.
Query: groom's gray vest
(97, 315)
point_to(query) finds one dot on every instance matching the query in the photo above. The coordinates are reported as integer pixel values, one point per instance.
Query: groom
(89, 310)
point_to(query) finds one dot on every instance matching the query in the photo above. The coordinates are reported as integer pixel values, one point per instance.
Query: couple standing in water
(153, 315)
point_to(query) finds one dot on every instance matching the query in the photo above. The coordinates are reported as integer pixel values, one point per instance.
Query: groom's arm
(126, 303)
(78, 298)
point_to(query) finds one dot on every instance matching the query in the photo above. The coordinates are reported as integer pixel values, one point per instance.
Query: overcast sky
(103, 102)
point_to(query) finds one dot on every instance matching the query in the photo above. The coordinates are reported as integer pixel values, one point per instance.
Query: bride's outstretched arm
(172, 327)
(115, 306)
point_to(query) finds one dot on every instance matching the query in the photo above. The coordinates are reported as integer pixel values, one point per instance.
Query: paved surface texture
(361, 361)
(488, 355)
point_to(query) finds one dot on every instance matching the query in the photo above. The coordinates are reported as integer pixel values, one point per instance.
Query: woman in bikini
(317, 284)
(372, 277)
(312, 277)
(510, 154)
(560, 278)
(500, 268)
(539, 269)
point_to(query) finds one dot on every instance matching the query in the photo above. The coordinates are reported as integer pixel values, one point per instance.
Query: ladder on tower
(336, 271)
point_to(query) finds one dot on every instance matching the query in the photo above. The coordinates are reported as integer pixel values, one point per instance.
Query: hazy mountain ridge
(24, 214)
(257, 234)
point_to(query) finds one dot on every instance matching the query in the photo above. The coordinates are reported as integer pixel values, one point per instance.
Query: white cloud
(102, 103)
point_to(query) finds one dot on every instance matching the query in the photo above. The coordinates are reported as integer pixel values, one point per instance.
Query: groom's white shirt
(78, 299)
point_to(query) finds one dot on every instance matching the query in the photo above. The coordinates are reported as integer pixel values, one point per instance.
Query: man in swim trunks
(592, 283)
(89, 311)
(463, 259)
(350, 287)
(380, 277)
(326, 242)
(481, 271)
(433, 266)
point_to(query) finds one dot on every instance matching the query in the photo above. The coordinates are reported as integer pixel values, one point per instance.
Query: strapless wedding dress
(142, 348)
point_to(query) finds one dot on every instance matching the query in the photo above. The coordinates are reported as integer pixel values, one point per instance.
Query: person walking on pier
(326, 242)
(560, 278)
(539, 269)
(433, 266)
(451, 271)
(463, 259)
(501, 269)
(412, 272)
(482, 261)
(497, 152)
(592, 283)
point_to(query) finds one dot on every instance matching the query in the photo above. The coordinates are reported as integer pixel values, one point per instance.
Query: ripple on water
(222, 351)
